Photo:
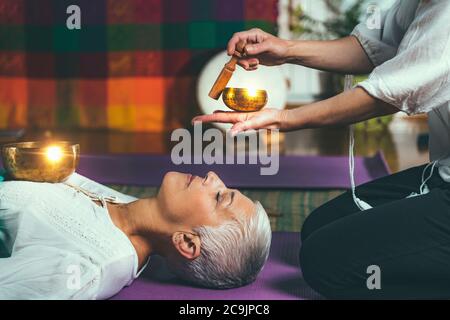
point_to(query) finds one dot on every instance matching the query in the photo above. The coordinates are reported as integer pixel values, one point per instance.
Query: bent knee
(307, 227)
(312, 267)
(327, 213)
(315, 220)
(322, 271)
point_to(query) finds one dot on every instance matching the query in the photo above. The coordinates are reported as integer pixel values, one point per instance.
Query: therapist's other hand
(261, 48)
(266, 118)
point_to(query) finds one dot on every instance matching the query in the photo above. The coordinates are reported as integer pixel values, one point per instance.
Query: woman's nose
(213, 179)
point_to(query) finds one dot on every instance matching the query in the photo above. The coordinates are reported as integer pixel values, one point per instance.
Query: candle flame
(251, 91)
(54, 153)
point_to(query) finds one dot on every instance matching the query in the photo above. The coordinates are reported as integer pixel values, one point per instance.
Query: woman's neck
(139, 221)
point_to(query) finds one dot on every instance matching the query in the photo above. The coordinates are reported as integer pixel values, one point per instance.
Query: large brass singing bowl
(35, 161)
(245, 100)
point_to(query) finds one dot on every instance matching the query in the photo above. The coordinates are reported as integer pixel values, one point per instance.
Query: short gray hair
(231, 255)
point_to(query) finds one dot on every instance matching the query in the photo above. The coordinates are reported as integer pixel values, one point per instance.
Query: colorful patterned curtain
(132, 66)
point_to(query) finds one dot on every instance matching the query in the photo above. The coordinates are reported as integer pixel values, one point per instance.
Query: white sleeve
(381, 44)
(416, 80)
(42, 272)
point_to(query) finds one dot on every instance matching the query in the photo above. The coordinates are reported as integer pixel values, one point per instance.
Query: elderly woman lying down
(82, 240)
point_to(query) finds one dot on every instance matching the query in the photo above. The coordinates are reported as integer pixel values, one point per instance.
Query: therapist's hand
(261, 48)
(267, 118)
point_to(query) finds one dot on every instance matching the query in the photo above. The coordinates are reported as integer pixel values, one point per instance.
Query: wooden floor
(398, 142)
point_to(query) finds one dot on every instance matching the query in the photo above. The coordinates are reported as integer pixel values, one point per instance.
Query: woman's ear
(187, 244)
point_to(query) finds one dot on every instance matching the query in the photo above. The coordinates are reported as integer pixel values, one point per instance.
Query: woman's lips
(190, 178)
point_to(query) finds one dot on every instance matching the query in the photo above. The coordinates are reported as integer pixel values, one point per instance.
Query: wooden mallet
(226, 73)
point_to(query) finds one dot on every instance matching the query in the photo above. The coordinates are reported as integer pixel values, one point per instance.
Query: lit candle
(251, 91)
(54, 153)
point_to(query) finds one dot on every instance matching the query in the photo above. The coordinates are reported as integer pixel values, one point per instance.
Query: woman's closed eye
(218, 197)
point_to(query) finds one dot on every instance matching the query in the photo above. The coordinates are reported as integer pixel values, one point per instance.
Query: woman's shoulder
(19, 193)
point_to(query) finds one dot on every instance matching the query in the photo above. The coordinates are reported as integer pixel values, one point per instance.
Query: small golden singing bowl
(40, 161)
(245, 100)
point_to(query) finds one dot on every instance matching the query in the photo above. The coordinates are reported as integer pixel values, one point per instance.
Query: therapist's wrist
(291, 52)
(287, 120)
(298, 118)
(297, 51)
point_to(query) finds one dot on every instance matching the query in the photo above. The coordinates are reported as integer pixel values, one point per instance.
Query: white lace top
(56, 243)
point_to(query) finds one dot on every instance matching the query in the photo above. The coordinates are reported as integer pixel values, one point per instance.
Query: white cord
(423, 187)
(362, 205)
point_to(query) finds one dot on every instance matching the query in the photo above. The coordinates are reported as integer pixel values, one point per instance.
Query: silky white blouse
(56, 243)
(411, 52)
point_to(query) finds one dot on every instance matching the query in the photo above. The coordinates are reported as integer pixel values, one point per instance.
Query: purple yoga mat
(294, 171)
(281, 279)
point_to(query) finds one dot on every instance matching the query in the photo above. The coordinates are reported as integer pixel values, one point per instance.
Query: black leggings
(407, 238)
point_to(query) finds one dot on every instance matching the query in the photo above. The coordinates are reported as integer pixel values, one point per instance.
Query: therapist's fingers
(258, 48)
(267, 118)
(249, 64)
(252, 123)
(242, 126)
(221, 116)
(231, 46)
(254, 35)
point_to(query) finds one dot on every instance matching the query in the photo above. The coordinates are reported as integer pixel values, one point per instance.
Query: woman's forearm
(348, 107)
(344, 55)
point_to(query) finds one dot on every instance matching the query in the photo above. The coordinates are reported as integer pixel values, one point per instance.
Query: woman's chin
(173, 182)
